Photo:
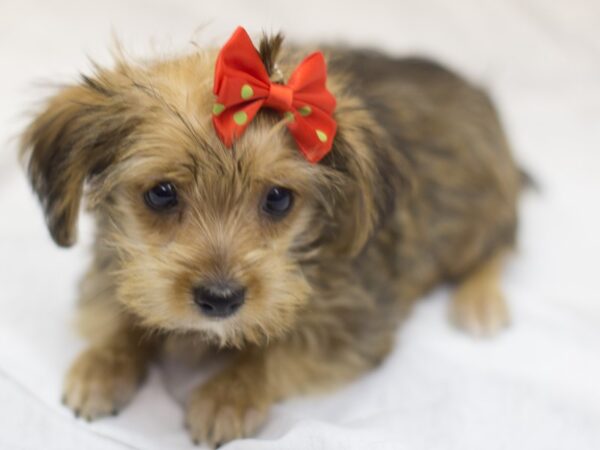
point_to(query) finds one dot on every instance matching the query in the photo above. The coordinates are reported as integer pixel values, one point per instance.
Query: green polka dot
(322, 136)
(240, 117)
(247, 92)
(289, 116)
(218, 108)
(305, 110)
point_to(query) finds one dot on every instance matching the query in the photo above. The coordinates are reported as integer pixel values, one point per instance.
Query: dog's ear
(74, 138)
(374, 182)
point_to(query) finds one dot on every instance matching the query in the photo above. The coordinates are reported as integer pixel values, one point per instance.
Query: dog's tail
(528, 182)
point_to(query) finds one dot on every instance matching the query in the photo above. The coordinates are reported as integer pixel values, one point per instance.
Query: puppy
(230, 226)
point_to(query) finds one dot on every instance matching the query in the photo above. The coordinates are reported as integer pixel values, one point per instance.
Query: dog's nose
(219, 299)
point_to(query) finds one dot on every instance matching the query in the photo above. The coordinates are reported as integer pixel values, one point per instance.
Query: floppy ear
(71, 140)
(374, 179)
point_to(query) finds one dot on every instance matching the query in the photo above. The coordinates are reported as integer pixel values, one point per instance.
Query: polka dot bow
(242, 87)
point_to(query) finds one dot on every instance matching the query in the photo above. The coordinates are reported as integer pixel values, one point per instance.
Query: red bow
(242, 87)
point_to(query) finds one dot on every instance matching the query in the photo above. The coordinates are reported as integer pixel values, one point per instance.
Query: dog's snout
(219, 299)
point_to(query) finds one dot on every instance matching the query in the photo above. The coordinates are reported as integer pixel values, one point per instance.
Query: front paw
(101, 382)
(228, 407)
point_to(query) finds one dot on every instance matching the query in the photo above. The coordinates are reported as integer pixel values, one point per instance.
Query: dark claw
(196, 442)
(76, 412)
(218, 444)
(115, 412)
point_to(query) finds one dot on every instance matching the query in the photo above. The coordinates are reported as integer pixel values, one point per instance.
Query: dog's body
(419, 188)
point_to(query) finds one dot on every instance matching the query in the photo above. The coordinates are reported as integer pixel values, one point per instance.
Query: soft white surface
(534, 387)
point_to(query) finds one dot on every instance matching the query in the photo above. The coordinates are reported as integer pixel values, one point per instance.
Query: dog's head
(205, 238)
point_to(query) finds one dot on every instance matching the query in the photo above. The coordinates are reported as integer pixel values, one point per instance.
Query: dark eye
(278, 201)
(161, 197)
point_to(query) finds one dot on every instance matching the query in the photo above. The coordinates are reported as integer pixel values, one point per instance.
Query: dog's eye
(162, 196)
(278, 201)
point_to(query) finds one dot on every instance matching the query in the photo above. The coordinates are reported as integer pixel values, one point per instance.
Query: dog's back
(460, 209)
(444, 125)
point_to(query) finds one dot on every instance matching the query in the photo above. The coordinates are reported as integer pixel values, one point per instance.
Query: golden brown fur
(419, 188)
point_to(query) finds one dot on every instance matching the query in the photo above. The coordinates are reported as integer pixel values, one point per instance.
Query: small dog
(295, 236)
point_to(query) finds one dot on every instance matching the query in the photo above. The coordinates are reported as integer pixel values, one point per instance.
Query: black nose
(219, 299)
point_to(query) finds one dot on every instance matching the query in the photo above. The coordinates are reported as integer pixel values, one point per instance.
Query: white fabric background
(534, 387)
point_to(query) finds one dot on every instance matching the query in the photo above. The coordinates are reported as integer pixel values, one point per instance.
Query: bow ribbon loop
(242, 87)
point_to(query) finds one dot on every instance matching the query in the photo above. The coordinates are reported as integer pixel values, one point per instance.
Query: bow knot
(242, 87)
(280, 97)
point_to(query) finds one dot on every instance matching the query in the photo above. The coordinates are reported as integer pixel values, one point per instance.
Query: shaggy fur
(419, 188)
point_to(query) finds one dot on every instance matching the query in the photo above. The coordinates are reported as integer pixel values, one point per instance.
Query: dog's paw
(226, 408)
(101, 382)
(479, 312)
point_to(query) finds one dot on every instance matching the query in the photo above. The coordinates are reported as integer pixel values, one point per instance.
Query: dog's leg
(105, 377)
(231, 405)
(478, 305)
(235, 402)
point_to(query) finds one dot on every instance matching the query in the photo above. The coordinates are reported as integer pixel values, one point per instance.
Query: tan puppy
(303, 270)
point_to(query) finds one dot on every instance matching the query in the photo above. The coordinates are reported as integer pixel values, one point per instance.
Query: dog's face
(211, 238)
(202, 237)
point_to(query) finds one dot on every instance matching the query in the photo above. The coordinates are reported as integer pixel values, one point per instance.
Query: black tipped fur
(269, 49)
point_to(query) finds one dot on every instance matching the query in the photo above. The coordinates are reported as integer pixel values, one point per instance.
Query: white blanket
(536, 386)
